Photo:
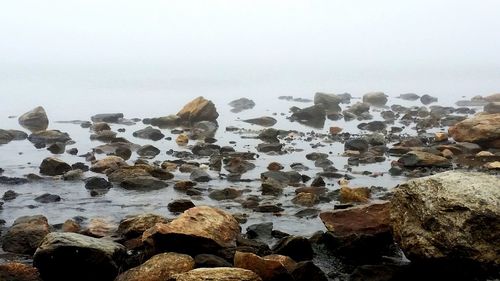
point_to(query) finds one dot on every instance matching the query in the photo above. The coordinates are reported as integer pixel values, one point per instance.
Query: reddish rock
(267, 269)
(18, 272)
(25, 235)
(481, 129)
(134, 226)
(159, 268)
(199, 109)
(108, 163)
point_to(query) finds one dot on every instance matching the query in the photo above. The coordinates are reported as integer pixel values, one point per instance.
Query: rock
(34, 120)
(144, 183)
(149, 133)
(104, 136)
(264, 121)
(481, 129)
(198, 230)
(409, 96)
(107, 117)
(63, 256)
(12, 180)
(373, 126)
(375, 98)
(159, 268)
(314, 116)
(241, 104)
(51, 166)
(349, 195)
(72, 151)
(492, 107)
(423, 159)
(200, 175)
(148, 151)
(275, 166)
(100, 126)
(225, 194)
(493, 98)
(308, 271)
(108, 163)
(24, 236)
(134, 226)
(359, 108)
(306, 199)
(356, 144)
(5, 137)
(182, 139)
(426, 99)
(9, 195)
(165, 121)
(48, 198)
(260, 230)
(204, 129)
(13, 271)
(440, 136)
(209, 261)
(71, 226)
(94, 183)
(268, 208)
(180, 205)
(443, 217)
(48, 137)
(328, 101)
(267, 269)
(314, 156)
(217, 274)
(57, 148)
(198, 109)
(296, 247)
(492, 165)
(335, 130)
(269, 147)
(100, 227)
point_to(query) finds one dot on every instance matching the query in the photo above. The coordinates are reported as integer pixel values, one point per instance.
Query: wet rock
(165, 121)
(308, 271)
(34, 120)
(268, 208)
(440, 136)
(318, 182)
(264, 121)
(217, 274)
(12, 180)
(48, 198)
(104, 136)
(409, 96)
(492, 107)
(238, 165)
(308, 213)
(79, 257)
(373, 126)
(443, 217)
(52, 167)
(182, 139)
(100, 126)
(210, 261)
(13, 271)
(290, 177)
(149, 133)
(108, 163)
(357, 145)
(93, 183)
(306, 199)
(269, 135)
(107, 117)
(205, 149)
(314, 156)
(5, 137)
(57, 148)
(198, 230)
(199, 109)
(200, 175)
(481, 129)
(260, 230)
(275, 166)
(148, 151)
(125, 172)
(296, 247)
(135, 226)
(375, 98)
(71, 226)
(204, 129)
(272, 187)
(48, 137)
(350, 195)
(269, 147)
(241, 104)
(159, 268)
(9, 195)
(180, 205)
(493, 98)
(100, 227)
(335, 130)
(267, 269)
(24, 236)
(225, 194)
(313, 116)
(426, 99)
(72, 151)
(492, 165)
(329, 101)
(72, 175)
(144, 183)
(423, 159)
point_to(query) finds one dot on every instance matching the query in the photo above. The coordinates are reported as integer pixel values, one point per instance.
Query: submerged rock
(34, 120)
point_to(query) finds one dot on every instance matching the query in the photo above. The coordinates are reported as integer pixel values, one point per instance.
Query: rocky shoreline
(441, 222)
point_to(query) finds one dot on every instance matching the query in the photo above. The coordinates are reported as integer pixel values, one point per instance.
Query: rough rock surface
(451, 215)
(134, 226)
(34, 120)
(159, 268)
(25, 235)
(267, 269)
(423, 159)
(481, 129)
(375, 98)
(217, 274)
(199, 109)
(110, 162)
(18, 272)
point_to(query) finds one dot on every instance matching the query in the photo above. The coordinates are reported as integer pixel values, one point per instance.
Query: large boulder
(269, 269)
(72, 256)
(198, 230)
(423, 159)
(481, 129)
(375, 98)
(134, 226)
(448, 216)
(34, 120)
(25, 235)
(217, 274)
(159, 268)
(199, 109)
(52, 167)
(48, 137)
(329, 101)
(109, 163)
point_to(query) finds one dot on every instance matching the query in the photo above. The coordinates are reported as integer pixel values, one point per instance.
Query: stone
(306, 199)
(25, 235)
(225, 194)
(329, 101)
(275, 166)
(35, 120)
(14, 271)
(269, 147)
(72, 151)
(350, 195)
(165, 121)
(492, 107)
(335, 130)
(493, 97)
(423, 159)
(495, 165)
(144, 183)
(198, 230)
(313, 116)
(426, 99)
(48, 198)
(268, 208)
(210, 261)
(307, 270)
(444, 217)
(238, 165)
(93, 183)
(149, 133)
(200, 175)
(440, 136)
(71, 226)
(159, 268)
(267, 269)
(100, 227)
(63, 256)
(48, 137)
(480, 129)
(5, 137)
(148, 151)
(373, 126)
(180, 205)
(134, 226)
(409, 96)
(357, 145)
(104, 136)
(296, 247)
(241, 104)
(264, 121)
(199, 109)
(108, 163)
(100, 126)
(107, 117)
(9, 195)
(12, 180)
(182, 139)
(375, 98)
(260, 230)
(359, 108)
(217, 274)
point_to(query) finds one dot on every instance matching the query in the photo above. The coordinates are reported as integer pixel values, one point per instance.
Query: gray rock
(52, 167)
(264, 121)
(148, 151)
(375, 98)
(423, 159)
(329, 101)
(5, 137)
(48, 198)
(93, 183)
(144, 183)
(356, 144)
(49, 136)
(200, 175)
(225, 194)
(107, 117)
(180, 205)
(426, 99)
(492, 107)
(25, 234)
(409, 96)
(149, 133)
(34, 120)
(165, 121)
(241, 104)
(269, 147)
(57, 148)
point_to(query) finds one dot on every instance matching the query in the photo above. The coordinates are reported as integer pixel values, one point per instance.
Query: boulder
(180, 205)
(313, 116)
(493, 97)
(481, 129)
(134, 226)
(199, 109)
(492, 107)
(267, 269)
(148, 151)
(329, 101)
(308, 271)
(241, 104)
(107, 117)
(264, 121)
(52, 167)
(34, 120)
(423, 159)
(448, 216)
(24, 236)
(14, 271)
(94, 183)
(200, 175)
(217, 274)
(198, 230)
(159, 268)
(375, 98)
(72, 256)
(48, 137)
(149, 133)
(426, 99)
(143, 183)
(108, 163)
(5, 136)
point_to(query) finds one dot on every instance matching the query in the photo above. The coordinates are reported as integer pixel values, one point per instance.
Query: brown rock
(108, 163)
(134, 226)
(25, 235)
(492, 165)
(423, 159)
(267, 269)
(286, 261)
(447, 153)
(14, 271)
(440, 136)
(198, 109)
(358, 194)
(159, 268)
(51, 166)
(481, 129)
(217, 274)
(306, 199)
(493, 98)
(182, 139)
(71, 226)
(34, 120)
(275, 166)
(100, 227)
(335, 130)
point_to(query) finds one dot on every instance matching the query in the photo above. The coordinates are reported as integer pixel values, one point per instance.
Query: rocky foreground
(443, 223)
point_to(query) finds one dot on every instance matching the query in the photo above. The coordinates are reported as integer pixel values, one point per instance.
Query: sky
(416, 34)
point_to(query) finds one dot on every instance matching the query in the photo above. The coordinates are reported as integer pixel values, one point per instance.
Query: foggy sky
(357, 32)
